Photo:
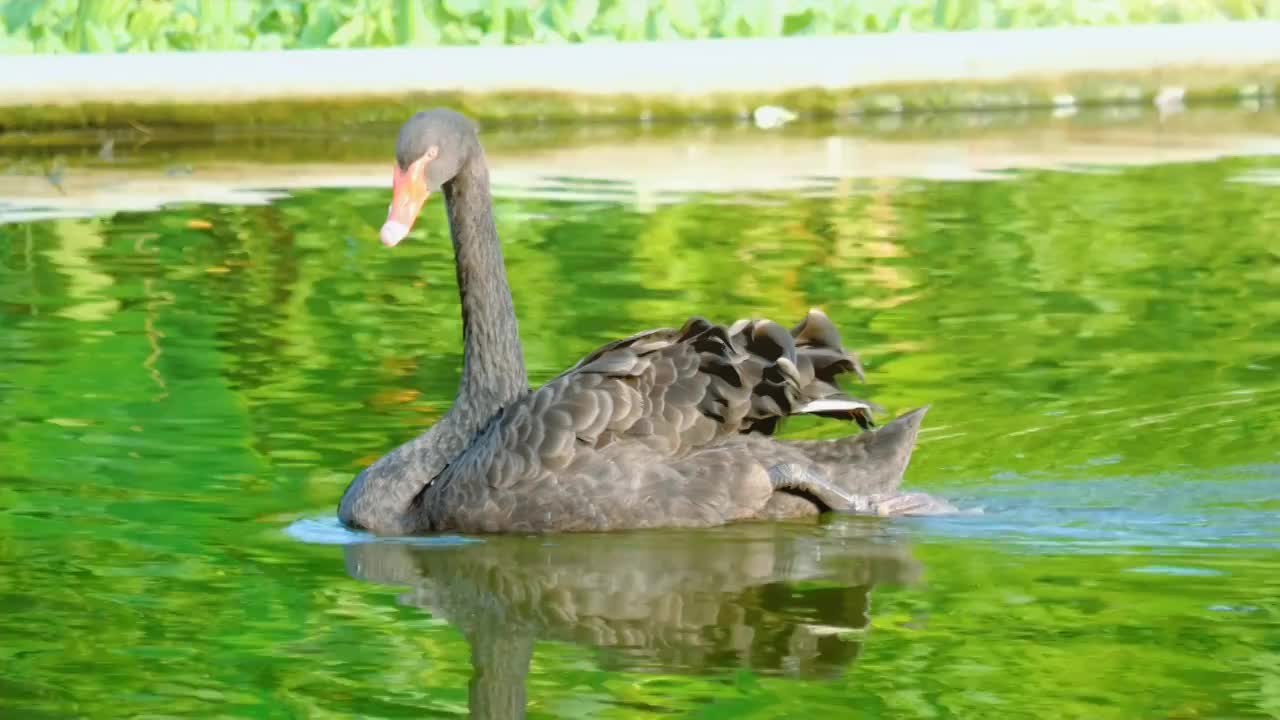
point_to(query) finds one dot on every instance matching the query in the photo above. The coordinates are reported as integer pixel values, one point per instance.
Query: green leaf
(10, 45)
(636, 23)
(213, 14)
(520, 24)
(412, 27)
(497, 33)
(560, 19)
(581, 13)
(98, 38)
(17, 13)
(1241, 9)
(663, 28)
(348, 33)
(684, 17)
(269, 41)
(148, 21)
(798, 24)
(942, 12)
(321, 24)
(462, 8)
(766, 18)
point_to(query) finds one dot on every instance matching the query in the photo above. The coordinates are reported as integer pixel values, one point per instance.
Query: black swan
(665, 428)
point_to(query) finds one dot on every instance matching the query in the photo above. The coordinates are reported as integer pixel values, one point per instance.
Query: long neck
(493, 371)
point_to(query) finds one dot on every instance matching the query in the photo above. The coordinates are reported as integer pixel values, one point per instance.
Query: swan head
(431, 149)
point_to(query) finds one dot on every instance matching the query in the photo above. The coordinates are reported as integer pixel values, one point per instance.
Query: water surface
(184, 395)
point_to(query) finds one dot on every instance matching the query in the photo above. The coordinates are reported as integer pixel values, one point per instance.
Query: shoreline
(813, 77)
(643, 171)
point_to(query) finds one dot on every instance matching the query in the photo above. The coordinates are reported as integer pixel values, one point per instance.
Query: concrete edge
(644, 81)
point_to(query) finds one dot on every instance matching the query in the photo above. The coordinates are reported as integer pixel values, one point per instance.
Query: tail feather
(869, 462)
(801, 365)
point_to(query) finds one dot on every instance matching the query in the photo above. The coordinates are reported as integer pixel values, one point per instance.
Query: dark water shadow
(778, 599)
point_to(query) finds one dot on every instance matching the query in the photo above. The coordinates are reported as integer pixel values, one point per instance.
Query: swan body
(665, 428)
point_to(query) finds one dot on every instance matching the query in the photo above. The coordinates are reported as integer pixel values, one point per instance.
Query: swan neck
(493, 372)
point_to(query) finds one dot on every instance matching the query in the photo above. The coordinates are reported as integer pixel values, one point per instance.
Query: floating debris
(1169, 99)
(1064, 105)
(768, 117)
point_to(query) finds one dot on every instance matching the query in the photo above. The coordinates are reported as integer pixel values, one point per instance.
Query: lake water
(185, 393)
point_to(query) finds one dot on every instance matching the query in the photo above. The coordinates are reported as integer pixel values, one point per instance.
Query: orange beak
(408, 194)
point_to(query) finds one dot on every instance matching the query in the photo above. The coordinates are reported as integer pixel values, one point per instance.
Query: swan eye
(432, 152)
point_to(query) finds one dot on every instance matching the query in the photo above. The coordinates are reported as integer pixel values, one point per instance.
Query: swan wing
(678, 390)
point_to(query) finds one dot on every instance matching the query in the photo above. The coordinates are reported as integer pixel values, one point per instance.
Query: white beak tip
(393, 232)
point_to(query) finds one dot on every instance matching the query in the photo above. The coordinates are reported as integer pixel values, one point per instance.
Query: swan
(669, 427)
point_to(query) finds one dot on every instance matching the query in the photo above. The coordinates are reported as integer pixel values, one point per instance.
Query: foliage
(53, 26)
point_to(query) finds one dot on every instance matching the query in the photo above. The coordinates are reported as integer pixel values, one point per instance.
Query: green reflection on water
(1100, 349)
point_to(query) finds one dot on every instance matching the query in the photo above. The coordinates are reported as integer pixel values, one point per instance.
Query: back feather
(744, 378)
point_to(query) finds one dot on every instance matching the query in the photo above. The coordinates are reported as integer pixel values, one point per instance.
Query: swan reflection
(776, 598)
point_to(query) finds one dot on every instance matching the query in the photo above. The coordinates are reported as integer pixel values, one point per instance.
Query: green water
(182, 404)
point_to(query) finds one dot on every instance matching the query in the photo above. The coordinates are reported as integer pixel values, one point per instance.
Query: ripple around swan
(1107, 515)
(328, 530)
(1112, 514)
